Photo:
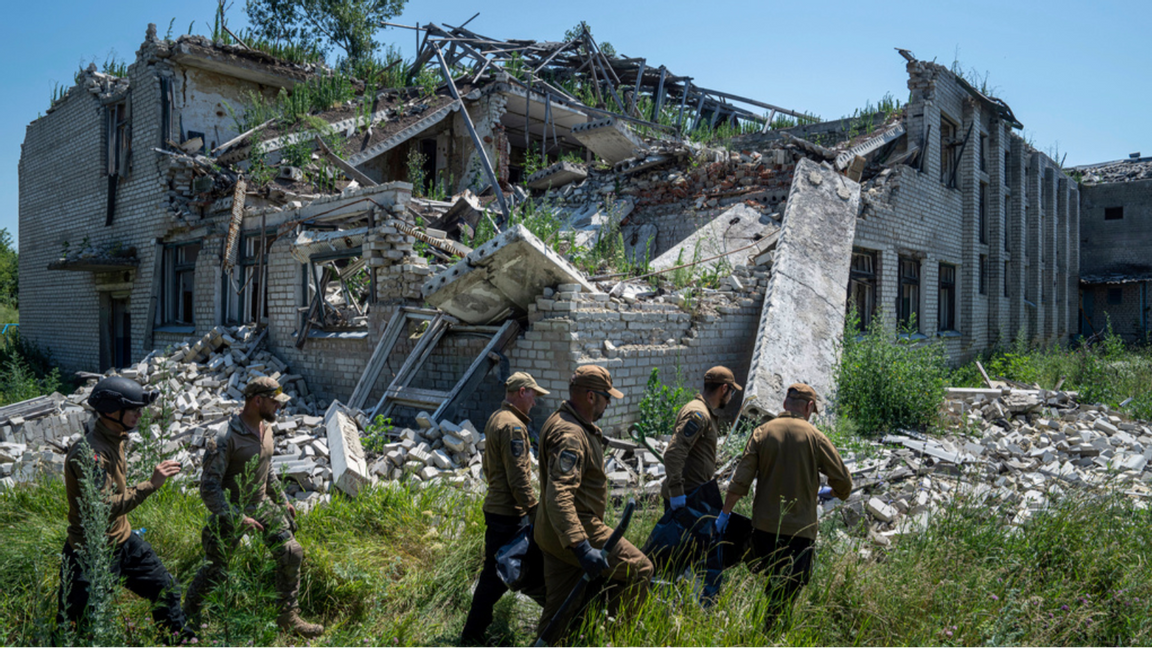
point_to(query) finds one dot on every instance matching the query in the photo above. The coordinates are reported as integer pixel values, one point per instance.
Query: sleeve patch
(568, 460)
(517, 447)
(692, 426)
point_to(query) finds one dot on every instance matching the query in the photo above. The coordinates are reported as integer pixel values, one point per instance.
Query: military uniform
(574, 495)
(690, 459)
(239, 481)
(133, 559)
(785, 456)
(508, 470)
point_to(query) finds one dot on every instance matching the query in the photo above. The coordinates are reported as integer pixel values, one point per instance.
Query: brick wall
(1118, 245)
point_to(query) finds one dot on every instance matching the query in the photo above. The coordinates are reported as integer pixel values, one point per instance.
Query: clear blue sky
(1077, 74)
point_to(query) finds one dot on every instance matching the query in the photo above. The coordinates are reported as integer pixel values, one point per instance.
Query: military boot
(290, 620)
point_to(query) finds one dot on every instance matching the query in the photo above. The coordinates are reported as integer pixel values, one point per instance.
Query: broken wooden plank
(380, 355)
(352, 172)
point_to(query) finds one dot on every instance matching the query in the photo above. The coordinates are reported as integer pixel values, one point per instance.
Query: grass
(394, 567)
(9, 314)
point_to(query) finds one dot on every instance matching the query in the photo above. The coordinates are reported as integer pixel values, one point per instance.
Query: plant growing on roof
(349, 25)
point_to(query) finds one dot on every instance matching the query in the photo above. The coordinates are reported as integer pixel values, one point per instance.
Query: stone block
(349, 465)
(881, 511)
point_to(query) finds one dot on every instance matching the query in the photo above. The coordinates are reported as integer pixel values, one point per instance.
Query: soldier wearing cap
(785, 456)
(511, 500)
(569, 525)
(243, 493)
(690, 459)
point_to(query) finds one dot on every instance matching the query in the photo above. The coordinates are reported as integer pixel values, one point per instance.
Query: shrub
(659, 406)
(886, 382)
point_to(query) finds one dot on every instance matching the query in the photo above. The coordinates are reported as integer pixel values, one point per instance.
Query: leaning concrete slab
(557, 175)
(738, 227)
(349, 466)
(500, 278)
(802, 320)
(311, 242)
(609, 139)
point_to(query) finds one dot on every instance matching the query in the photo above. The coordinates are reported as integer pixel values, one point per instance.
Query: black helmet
(117, 393)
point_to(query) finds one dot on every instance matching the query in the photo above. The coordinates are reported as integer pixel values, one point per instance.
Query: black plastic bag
(520, 564)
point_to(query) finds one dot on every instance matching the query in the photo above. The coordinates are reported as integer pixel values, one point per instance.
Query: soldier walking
(243, 493)
(511, 500)
(690, 459)
(785, 456)
(569, 524)
(118, 403)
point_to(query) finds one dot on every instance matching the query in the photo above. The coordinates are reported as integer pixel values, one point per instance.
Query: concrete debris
(737, 227)
(1012, 463)
(556, 176)
(610, 139)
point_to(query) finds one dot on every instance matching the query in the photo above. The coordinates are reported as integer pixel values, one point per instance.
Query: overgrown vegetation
(348, 25)
(888, 381)
(658, 407)
(1104, 371)
(9, 278)
(25, 370)
(395, 565)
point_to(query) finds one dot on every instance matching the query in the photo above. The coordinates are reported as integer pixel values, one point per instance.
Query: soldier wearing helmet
(118, 403)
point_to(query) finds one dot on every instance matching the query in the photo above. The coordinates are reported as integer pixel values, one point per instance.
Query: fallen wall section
(803, 315)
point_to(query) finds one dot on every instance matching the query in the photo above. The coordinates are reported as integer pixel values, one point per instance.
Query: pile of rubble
(1015, 449)
(1136, 168)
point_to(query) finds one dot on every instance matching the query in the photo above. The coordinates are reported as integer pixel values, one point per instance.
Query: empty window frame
(946, 320)
(984, 152)
(1007, 281)
(178, 285)
(949, 145)
(862, 286)
(908, 301)
(242, 288)
(1115, 296)
(1113, 213)
(1007, 167)
(118, 138)
(1007, 220)
(341, 280)
(983, 274)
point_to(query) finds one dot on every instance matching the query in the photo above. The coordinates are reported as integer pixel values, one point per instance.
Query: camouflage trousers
(277, 536)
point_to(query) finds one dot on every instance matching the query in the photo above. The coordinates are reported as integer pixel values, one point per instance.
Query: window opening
(1113, 213)
(862, 287)
(908, 306)
(947, 310)
(179, 284)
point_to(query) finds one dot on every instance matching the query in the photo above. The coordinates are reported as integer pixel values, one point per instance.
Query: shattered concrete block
(500, 278)
(557, 175)
(428, 472)
(610, 139)
(802, 319)
(454, 444)
(881, 511)
(349, 466)
(735, 228)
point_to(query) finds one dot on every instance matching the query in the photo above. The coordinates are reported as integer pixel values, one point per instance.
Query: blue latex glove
(592, 561)
(825, 493)
(678, 501)
(722, 521)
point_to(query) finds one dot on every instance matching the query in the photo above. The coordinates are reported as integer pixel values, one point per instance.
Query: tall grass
(394, 567)
(26, 371)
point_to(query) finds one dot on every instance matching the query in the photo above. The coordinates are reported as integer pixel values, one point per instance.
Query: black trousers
(143, 574)
(499, 531)
(787, 561)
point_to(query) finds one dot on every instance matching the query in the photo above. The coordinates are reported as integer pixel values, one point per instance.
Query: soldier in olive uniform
(511, 500)
(569, 524)
(243, 493)
(690, 459)
(785, 456)
(118, 403)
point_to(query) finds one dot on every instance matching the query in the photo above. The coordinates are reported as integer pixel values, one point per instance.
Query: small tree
(9, 282)
(350, 25)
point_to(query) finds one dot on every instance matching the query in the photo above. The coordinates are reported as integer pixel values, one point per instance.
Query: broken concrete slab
(311, 242)
(501, 278)
(557, 175)
(802, 319)
(738, 227)
(610, 139)
(349, 466)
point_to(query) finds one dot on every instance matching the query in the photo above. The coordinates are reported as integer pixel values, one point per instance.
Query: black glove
(592, 561)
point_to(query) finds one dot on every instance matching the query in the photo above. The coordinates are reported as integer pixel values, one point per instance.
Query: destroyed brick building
(1115, 228)
(175, 218)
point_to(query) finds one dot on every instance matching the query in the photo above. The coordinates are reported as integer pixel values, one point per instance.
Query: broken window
(1115, 296)
(983, 213)
(908, 304)
(1007, 281)
(337, 292)
(862, 287)
(949, 144)
(983, 274)
(118, 139)
(178, 286)
(983, 152)
(1007, 219)
(243, 287)
(1113, 213)
(947, 311)
(1007, 159)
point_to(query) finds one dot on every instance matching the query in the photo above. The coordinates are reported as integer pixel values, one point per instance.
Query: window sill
(175, 328)
(357, 334)
(948, 334)
(915, 336)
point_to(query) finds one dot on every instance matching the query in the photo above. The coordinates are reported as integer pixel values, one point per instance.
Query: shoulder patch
(517, 447)
(692, 426)
(568, 460)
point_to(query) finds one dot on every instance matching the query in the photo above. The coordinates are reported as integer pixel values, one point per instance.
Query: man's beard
(268, 416)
